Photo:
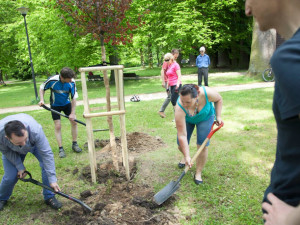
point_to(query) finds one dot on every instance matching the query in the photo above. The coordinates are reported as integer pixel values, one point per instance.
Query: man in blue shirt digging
(202, 62)
(62, 86)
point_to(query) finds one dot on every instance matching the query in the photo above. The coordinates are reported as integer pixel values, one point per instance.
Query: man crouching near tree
(20, 134)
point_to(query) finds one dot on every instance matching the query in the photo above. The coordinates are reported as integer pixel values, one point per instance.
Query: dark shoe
(181, 165)
(62, 153)
(53, 203)
(76, 148)
(197, 182)
(2, 204)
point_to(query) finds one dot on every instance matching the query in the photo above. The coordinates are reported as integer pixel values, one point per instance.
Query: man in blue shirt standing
(62, 86)
(202, 62)
(20, 134)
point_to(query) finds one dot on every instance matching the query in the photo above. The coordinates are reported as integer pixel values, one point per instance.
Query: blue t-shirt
(285, 175)
(60, 91)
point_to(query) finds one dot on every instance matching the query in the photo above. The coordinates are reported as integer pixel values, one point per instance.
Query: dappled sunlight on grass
(233, 126)
(252, 113)
(257, 164)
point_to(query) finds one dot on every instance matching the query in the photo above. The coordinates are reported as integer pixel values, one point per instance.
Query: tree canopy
(67, 33)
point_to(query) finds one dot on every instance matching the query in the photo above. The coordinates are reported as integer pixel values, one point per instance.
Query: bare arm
(72, 116)
(215, 97)
(42, 101)
(162, 75)
(179, 77)
(182, 135)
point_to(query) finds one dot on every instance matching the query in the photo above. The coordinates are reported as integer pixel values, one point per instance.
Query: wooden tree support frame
(88, 115)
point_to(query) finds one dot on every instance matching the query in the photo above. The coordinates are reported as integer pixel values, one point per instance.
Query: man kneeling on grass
(20, 134)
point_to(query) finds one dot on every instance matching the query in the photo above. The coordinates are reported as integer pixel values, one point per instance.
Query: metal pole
(32, 70)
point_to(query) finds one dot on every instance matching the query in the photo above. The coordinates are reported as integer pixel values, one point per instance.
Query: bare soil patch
(116, 200)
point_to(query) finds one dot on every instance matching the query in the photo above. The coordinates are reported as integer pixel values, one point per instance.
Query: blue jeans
(203, 129)
(9, 178)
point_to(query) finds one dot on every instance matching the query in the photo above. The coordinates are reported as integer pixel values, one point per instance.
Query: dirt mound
(137, 142)
(119, 201)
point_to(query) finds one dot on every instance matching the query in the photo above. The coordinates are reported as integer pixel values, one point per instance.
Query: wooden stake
(110, 124)
(122, 125)
(89, 129)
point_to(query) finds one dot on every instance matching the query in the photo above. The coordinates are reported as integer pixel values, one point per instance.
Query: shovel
(52, 110)
(58, 192)
(172, 187)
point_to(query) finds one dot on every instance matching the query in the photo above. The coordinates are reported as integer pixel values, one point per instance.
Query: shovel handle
(56, 112)
(56, 192)
(77, 121)
(211, 133)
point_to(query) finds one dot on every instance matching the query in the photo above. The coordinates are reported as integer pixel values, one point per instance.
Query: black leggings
(174, 94)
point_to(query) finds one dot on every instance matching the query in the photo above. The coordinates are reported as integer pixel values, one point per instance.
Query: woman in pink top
(164, 78)
(174, 77)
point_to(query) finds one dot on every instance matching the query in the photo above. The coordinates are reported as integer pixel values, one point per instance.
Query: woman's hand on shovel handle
(219, 121)
(188, 161)
(55, 187)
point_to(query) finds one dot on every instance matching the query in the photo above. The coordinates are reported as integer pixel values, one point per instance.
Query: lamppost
(24, 11)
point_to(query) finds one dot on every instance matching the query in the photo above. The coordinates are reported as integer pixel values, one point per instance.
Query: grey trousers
(166, 102)
(203, 71)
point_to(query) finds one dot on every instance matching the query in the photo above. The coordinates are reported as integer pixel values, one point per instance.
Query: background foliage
(161, 25)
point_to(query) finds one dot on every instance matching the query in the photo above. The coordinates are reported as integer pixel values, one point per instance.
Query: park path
(144, 97)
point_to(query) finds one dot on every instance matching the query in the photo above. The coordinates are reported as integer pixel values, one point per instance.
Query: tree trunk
(243, 58)
(179, 59)
(150, 55)
(142, 58)
(114, 60)
(192, 59)
(1, 78)
(262, 48)
(108, 108)
(157, 57)
(223, 59)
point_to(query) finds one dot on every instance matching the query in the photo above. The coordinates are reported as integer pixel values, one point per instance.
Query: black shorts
(66, 109)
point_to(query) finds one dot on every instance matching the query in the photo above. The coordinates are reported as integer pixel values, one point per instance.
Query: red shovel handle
(211, 133)
(204, 143)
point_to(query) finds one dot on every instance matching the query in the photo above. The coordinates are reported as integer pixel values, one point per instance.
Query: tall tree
(263, 46)
(106, 20)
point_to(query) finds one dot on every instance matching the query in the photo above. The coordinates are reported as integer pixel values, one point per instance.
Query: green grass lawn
(241, 155)
(146, 72)
(22, 93)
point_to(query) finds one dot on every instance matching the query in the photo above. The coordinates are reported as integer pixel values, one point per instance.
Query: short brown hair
(14, 126)
(67, 72)
(175, 51)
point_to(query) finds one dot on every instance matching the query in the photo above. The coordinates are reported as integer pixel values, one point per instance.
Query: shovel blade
(166, 192)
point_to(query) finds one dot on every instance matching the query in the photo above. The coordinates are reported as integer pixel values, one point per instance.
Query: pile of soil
(117, 200)
(137, 142)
